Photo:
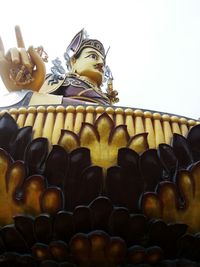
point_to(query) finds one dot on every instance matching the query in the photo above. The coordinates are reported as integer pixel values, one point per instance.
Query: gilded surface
(104, 140)
(34, 197)
(24, 68)
(165, 203)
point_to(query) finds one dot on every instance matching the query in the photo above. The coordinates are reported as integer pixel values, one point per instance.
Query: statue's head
(86, 57)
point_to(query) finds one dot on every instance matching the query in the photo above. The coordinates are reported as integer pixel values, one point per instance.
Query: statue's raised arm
(21, 68)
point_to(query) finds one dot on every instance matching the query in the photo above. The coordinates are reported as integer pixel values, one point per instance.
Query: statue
(24, 74)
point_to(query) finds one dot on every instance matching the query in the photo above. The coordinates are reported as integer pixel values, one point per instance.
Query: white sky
(155, 44)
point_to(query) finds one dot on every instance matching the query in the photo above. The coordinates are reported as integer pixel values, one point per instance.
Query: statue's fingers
(40, 71)
(20, 41)
(13, 55)
(2, 50)
(25, 59)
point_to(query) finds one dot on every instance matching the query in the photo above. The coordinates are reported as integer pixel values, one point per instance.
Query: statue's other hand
(21, 68)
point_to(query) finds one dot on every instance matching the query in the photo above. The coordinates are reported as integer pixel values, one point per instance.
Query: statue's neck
(85, 78)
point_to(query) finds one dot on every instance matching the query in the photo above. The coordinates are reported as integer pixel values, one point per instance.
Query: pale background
(155, 44)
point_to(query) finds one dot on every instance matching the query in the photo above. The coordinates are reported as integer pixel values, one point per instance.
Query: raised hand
(21, 68)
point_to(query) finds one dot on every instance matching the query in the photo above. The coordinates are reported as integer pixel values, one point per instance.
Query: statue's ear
(72, 60)
(72, 63)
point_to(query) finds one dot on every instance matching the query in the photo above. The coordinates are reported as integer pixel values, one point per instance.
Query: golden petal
(52, 200)
(34, 187)
(15, 177)
(104, 124)
(138, 143)
(69, 140)
(11, 177)
(89, 136)
(151, 205)
(119, 137)
(5, 161)
(168, 196)
(186, 186)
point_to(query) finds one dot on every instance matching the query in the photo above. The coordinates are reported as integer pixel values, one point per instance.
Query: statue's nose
(101, 60)
(100, 65)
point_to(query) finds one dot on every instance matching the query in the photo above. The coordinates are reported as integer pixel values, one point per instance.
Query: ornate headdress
(80, 41)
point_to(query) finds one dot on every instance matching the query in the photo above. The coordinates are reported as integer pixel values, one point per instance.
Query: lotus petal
(63, 226)
(91, 184)
(154, 255)
(119, 137)
(182, 150)
(43, 228)
(25, 226)
(56, 166)
(193, 139)
(40, 252)
(119, 222)
(69, 140)
(113, 185)
(151, 205)
(52, 200)
(139, 143)
(104, 125)
(158, 232)
(33, 189)
(36, 154)
(116, 251)
(78, 161)
(13, 240)
(137, 230)
(59, 251)
(124, 189)
(11, 179)
(99, 241)
(101, 208)
(168, 160)
(20, 142)
(151, 169)
(128, 159)
(136, 254)
(82, 219)
(8, 129)
(168, 195)
(80, 248)
(89, 137)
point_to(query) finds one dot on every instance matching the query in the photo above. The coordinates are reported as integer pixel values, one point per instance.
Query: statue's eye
(94, 56)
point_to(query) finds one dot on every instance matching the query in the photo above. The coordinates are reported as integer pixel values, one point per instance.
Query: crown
(81, 41)
(97, 45)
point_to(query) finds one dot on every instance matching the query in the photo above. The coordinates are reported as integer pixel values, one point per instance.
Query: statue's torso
(80, 89)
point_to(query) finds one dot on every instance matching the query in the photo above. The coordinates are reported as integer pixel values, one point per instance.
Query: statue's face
(91, 64)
